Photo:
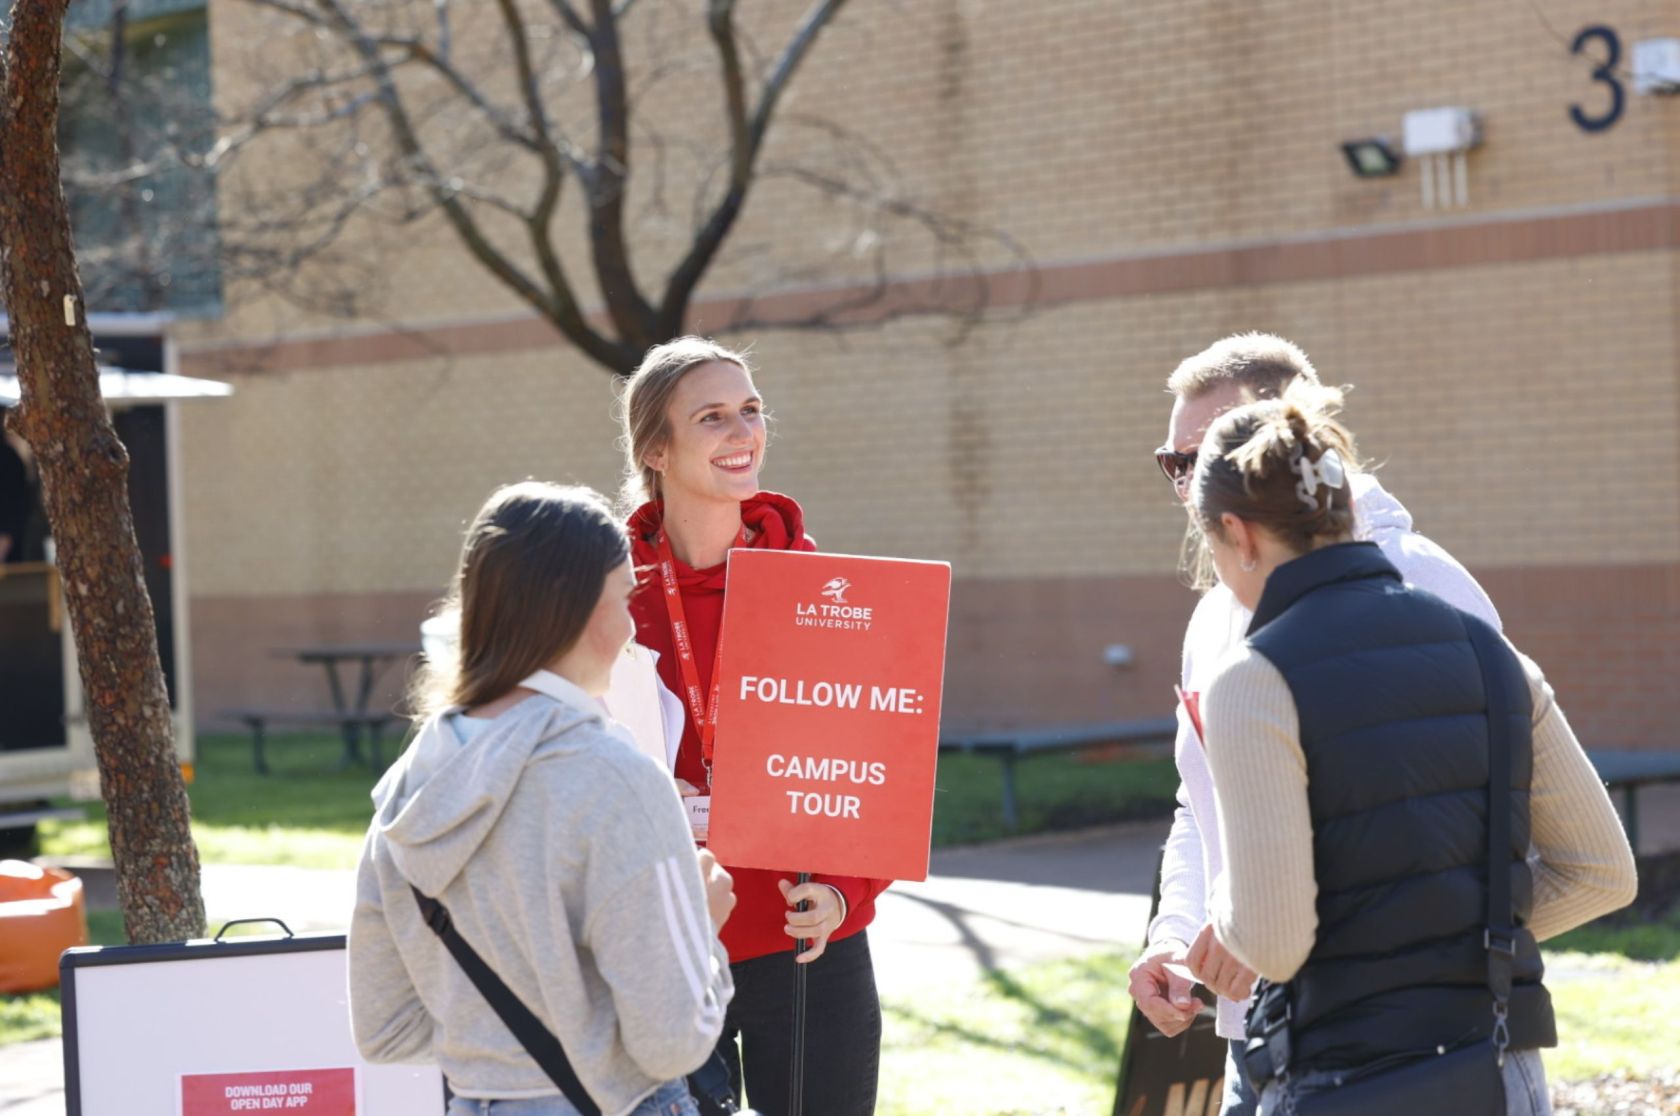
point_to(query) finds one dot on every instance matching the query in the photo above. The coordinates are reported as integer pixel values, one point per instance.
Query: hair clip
(1327, 470)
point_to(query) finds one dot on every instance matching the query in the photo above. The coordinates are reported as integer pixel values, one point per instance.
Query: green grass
(28, 1017)
(1627, 935)
(1052, 792)
(1613, 1014)
(305, 813)
(35, 1015)
(1047, 1038)
(1614, 983)
(310, 815)
(1040, 1039)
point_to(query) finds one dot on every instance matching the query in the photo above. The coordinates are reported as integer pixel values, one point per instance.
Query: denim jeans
(1240, 1098)
(1525, 1088)
(670, 1099)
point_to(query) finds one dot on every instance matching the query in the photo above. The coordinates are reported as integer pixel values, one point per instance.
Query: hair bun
(1282, 464)
(1300, 427)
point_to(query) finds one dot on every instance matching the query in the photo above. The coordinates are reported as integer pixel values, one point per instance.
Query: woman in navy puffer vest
(1349, 743)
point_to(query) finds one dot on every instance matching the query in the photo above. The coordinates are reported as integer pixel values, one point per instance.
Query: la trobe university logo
(833, 611)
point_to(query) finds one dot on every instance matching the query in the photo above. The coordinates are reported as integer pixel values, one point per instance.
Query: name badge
(699, 813)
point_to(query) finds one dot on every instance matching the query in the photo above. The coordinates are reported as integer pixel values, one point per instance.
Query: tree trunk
(84, 483)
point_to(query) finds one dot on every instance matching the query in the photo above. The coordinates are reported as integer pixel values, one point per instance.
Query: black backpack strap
(537, 1039)
(1267, 1050)
(1500, 936)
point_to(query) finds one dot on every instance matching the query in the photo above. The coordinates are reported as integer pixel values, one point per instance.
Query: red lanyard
(703, 710)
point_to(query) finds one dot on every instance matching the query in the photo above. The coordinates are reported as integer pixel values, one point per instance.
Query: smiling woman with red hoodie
(694, 438)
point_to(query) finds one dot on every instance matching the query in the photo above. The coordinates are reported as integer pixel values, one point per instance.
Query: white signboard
(245, 1025)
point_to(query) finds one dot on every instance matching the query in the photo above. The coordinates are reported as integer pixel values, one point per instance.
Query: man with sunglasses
(1232, 372)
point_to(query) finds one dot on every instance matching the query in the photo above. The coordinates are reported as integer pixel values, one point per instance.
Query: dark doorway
(142, 430)
(31, 662)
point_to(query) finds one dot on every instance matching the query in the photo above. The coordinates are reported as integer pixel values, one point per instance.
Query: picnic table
(1141, 739)
(1627, 770)
(350, 712)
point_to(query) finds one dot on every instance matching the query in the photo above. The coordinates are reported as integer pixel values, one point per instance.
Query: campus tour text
(835, 695)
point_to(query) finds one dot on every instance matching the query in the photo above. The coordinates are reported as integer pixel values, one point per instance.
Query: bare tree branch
(720, 21)
(569, 16)
(414, 48)
(680, 287)
(558, 304)
(631, 314)
(392, 116)
(539, 221)
(446, 40)
(819, 17)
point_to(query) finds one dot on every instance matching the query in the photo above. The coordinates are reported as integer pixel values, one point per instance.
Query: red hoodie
(755, 928)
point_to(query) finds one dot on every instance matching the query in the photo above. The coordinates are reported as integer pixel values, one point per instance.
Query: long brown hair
(531, 573)
(646, 403)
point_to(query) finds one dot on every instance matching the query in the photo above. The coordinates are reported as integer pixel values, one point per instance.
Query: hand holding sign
(815, 914)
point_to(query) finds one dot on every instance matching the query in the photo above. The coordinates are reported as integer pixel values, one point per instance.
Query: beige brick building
(1172, 168)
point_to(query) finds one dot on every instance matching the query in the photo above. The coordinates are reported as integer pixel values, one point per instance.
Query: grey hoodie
(564, 858)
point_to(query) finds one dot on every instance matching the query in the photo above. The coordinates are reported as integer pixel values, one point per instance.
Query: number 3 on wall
(1606, 73)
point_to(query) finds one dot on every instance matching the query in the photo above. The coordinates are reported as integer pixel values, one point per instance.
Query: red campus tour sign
(832, 671)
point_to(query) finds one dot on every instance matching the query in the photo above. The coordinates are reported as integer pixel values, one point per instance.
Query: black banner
(1179, 1076)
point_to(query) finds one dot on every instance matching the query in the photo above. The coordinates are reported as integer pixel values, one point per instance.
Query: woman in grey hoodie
(561, 852)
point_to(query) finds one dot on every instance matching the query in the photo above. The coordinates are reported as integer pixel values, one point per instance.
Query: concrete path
(992, 907)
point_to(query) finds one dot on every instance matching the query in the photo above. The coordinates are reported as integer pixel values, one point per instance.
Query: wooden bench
(349, 724)
(1143, 739)
(1628, 770)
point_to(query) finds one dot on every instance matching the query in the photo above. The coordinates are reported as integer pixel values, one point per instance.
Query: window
(134, 125)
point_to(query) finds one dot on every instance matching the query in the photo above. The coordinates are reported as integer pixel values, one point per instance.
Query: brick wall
(1522, 400)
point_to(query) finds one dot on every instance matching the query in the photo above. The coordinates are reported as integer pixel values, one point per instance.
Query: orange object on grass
(42, 914)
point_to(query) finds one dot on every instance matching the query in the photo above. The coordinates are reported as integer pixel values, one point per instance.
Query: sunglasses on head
(1176, 466)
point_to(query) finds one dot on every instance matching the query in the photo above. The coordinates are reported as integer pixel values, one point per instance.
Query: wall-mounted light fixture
(1374, 157)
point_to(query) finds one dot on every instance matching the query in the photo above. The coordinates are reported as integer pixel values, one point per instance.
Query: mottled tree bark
(84, 482)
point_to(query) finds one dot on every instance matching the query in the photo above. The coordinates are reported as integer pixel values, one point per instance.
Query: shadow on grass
(1046, 1019)
(1050, 1035)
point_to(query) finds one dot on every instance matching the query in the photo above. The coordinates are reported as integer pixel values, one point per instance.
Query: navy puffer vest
(1394, 729)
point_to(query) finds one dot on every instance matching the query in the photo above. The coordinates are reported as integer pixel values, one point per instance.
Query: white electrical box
(1656, 66)
(1440, 131)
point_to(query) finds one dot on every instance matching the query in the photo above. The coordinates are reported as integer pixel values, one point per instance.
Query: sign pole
(796, 1073)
